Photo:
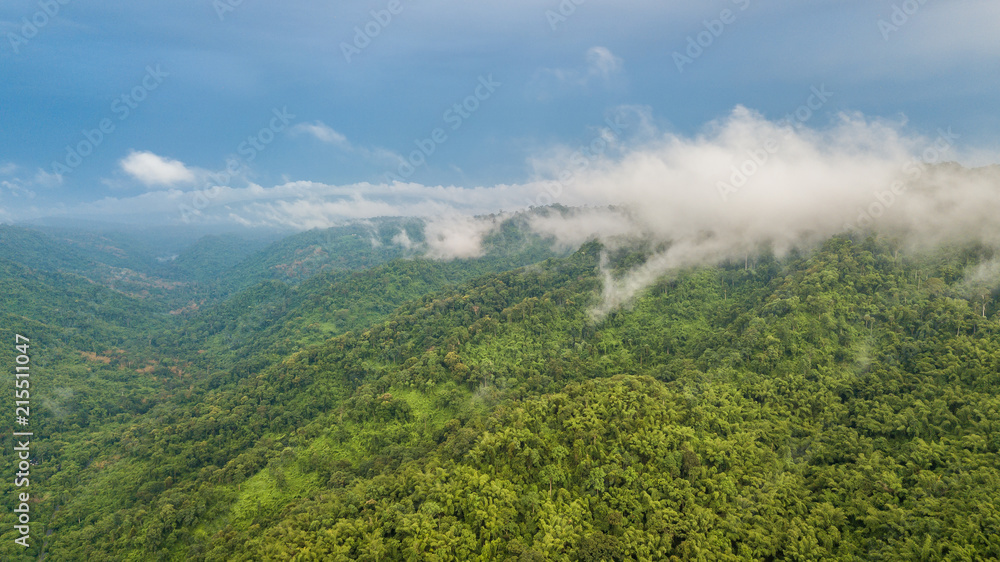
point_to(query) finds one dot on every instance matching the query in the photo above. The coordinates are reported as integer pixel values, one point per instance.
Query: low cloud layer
(743, 183)
(747, 182)
(458, 237)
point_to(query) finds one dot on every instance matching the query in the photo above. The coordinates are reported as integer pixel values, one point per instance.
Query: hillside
(350, 247)
(838, 404)
(183, 273)
(124, 263)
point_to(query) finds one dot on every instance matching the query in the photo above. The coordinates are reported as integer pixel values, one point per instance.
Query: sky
(302, 113)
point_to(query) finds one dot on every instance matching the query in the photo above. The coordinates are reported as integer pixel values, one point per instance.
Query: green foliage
(212, 256)
(839, 405)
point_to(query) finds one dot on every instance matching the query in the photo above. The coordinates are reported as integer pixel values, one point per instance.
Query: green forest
(332, 396)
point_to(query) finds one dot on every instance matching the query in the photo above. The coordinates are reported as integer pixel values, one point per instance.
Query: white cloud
(743, 183)
(601, 66)
(304, 205)
(327, 134)
(322, 132)
(17, 188)
(45, 179)
(458, 237)
(382, 156)
(301, 205)
(581, 225)
(601, 63)
(402, 239)
(22, 188)
(154, 171)
(747, 183)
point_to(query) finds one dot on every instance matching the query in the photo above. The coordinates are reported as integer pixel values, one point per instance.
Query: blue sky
(319, 101)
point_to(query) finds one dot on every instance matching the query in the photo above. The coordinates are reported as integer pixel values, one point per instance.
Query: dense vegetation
(839, 404)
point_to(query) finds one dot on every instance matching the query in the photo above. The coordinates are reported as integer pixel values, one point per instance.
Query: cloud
(381, 156)
(322, 132)
(304, 205)
(46, 179)
(22, 188)
(154, 171)
(740, 185)
(296, 205)
(458, 237)
(746, 183)
(402, 239)
(572, 229)
(17, 188)
(981, 280)
(602, 66)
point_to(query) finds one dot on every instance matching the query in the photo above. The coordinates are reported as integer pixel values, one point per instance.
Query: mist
(747, 183)
(458, 237)
(742, 183)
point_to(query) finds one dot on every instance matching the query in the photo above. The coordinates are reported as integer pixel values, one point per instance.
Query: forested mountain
(175, 274)
(124, 263)
(181, 277)
(211, 256)
(343, 248)
(840, 403)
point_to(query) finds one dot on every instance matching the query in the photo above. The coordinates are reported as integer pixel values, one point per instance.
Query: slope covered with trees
(838, 404)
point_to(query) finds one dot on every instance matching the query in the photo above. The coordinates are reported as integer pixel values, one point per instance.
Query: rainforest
(331, 396)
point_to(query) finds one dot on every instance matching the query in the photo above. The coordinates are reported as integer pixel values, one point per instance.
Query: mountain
(211, 256)
(350, 247)
(112, 259)
(838, 403)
